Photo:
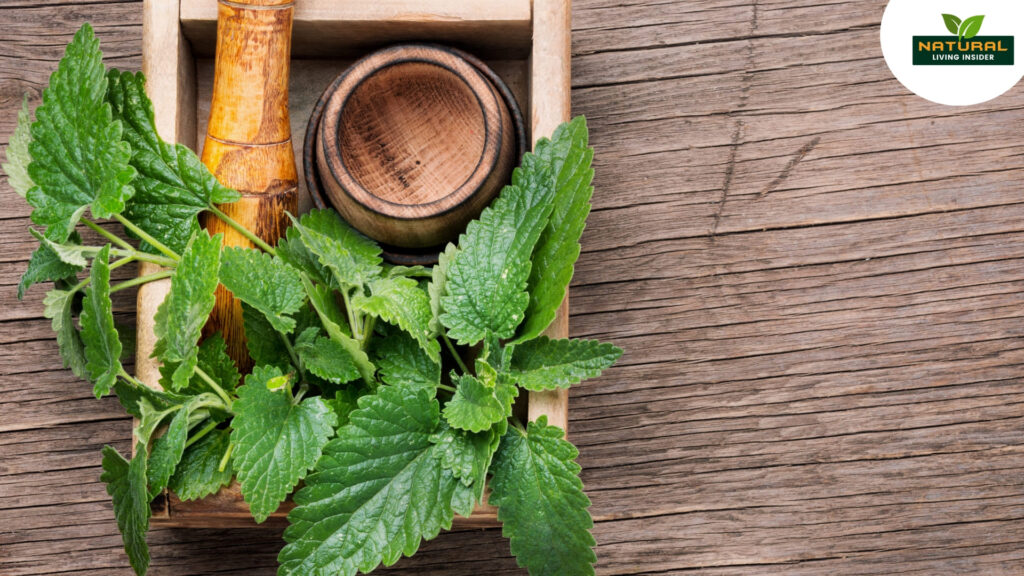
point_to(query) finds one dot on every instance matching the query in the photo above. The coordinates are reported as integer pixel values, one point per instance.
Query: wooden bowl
(411, 143)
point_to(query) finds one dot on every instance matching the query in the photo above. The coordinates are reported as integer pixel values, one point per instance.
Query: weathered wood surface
(817, 276)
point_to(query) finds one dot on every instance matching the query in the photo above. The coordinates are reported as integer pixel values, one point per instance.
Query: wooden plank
(170, 73)
(828, 385)
(326, 28)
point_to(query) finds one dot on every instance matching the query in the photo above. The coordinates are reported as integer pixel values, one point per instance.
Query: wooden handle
(248, 139)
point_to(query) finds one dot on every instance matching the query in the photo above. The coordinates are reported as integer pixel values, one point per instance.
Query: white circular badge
(954, 52)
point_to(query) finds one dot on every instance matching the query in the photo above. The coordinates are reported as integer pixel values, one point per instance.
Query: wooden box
(526, 42)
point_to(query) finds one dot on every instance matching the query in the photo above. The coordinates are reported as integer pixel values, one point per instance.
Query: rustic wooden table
(818, 279)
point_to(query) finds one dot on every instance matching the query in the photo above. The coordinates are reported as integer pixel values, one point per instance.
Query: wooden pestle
(248, 143)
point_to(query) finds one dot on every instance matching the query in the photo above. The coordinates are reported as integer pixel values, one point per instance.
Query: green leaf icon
(969, 28)
(952, 23)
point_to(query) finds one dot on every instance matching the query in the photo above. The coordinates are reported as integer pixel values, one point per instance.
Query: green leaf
(401, 301)
(407, 271)
(131, 105)
(328, 360)
(214, 360)
(377, 491)
(180, 317)
(172, 186)
(486, 286)
(102, 345)
(67, 252)
(17, 155)
(952, 23)
(326, 307)
(78, 158)
(197, 474)
(401, 361)
(484, 371)
(474, 406)
(504, 387)
(308, 336)
(129, 340)
(569, 157)
(468, 455)
(167, 451)
(345, 401)
(325, 303)
(265, 283)
(353, 258)
(47, 265)
(293, 252)
(506, 392)
(437, 286)
(496, 355)
(545, 364)
(151, 416)
(275, 441)
(137, 399)
(126, 484)
(970, 27)
(263, 341)
(540, 500)
(58, 307)
(463, 500)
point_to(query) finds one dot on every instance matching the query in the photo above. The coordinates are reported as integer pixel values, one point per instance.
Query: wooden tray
(526, 42)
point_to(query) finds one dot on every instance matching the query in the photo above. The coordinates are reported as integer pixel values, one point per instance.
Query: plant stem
(298, 395)
(141, 280)
(209, 428)
(371, 321)
(242, 229)
(85, 281)
(153, 259)
(129, 253)
(227, 456)
(106, 234)
(291, 352)
(446, 387)
(130, 379)
(117, 264)
(353, 323)
(149, 239)
(215, 387)
(458, 359)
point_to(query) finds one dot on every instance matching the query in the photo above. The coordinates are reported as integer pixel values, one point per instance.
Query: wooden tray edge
(172, 87)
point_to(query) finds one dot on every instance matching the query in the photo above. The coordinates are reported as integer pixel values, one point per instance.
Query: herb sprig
(388, 390)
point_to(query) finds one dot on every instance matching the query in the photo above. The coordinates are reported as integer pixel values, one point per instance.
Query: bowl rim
(489, 104)
(311, 175)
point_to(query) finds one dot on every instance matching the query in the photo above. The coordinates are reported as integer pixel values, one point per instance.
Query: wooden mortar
(413, 142)
(248, 139)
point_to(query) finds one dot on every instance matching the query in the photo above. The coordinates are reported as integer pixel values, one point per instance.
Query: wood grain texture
(828, 384)
(227, 509)
(550, 105)
(329, 28)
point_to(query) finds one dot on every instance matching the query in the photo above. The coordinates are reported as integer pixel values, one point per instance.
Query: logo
(954, 52)
(965, 47)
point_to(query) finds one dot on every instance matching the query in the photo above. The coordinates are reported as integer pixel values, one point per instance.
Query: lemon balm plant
(348, 391)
